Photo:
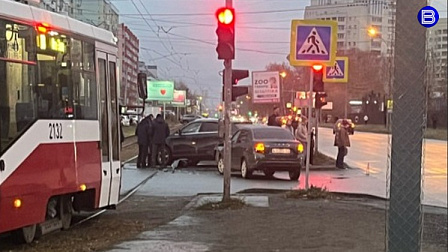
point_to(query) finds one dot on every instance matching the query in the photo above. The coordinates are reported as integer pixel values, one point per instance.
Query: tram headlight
(82, 187)
(17, 203)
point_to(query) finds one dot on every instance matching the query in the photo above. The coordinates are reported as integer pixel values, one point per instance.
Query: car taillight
(259, 147)
(300, 148)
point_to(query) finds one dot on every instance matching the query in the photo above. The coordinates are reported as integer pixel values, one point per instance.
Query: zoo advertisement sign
(266, 87)
(160, 91)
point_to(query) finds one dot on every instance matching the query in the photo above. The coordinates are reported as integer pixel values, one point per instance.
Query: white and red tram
(59, 127)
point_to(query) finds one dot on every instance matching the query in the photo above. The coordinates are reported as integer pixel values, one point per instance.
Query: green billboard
(160, 91)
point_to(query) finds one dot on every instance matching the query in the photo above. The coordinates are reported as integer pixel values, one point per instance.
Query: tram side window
(84, 84)
(18, 97)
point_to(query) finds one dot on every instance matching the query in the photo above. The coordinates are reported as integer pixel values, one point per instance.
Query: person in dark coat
(143, 132)
(160, 132)
(150, 121)
(273, 119)
(121, 136)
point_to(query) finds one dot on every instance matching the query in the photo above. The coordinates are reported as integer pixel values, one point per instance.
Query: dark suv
(196, 141)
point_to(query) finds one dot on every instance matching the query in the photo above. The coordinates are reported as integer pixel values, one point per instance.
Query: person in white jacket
(302, 131)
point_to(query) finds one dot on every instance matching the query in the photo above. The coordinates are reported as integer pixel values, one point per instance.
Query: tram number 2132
(55, 130)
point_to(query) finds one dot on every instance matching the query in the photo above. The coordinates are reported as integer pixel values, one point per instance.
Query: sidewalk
(277, 223)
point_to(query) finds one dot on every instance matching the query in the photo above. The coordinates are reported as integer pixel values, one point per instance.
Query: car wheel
(294, 175)
(168, 156)
(221, 165)
(268, 173)
(245, 172)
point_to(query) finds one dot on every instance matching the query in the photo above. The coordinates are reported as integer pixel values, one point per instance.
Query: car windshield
(272, 133)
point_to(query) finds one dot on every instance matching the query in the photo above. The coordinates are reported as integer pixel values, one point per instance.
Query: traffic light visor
(225, 15)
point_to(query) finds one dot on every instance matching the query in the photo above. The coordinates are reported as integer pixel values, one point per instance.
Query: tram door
(109, 131)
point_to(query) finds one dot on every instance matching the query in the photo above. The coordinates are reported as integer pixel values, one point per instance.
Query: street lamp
(283, 74)
(200, 105)
(282, 100)
(373, 34)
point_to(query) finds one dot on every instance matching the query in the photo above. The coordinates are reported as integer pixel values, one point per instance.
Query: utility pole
(404, 229)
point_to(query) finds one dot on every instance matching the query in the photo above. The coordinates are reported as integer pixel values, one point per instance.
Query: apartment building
(437, 49)
(437, 46)
(128, 50)
(355, 18)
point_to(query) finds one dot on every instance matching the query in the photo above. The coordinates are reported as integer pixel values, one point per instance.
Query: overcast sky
(179, 36)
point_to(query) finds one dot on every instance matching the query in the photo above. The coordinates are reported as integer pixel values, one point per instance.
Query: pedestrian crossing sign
(338, 72)
(313, 41)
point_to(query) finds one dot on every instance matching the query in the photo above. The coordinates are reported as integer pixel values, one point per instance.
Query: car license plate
(281, 151)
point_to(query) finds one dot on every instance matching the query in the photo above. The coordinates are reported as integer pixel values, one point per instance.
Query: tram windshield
(43, 75)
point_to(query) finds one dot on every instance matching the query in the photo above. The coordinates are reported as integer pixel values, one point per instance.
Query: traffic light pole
(227, 107)
(316, 132)
(308, 135)
(227, 128)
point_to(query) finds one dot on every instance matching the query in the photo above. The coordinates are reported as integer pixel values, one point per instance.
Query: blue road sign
(313, 41)
(338, 72)
(428, 16)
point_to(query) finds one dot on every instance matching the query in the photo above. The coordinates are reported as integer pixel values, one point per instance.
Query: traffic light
(318, 83)
(320, 100)
(237, 75)
(142, 86)
(237, 91)
(226, 33)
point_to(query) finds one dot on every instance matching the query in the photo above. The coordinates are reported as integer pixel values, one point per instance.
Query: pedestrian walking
(366, 119)
(160, 132)
(143, 131)
(342, 141)
(273, 119)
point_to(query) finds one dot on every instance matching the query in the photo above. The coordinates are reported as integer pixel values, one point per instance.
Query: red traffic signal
(226, 33)
(318, 83)
(225, 16)
(318, 67)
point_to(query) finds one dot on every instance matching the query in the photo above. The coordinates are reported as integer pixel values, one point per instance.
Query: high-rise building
(437, 49)
(355, 18)
(128, 49)
(100, 13)
(437, 46)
